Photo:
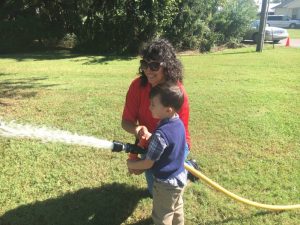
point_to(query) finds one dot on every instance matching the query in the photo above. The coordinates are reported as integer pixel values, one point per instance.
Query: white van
(282, 21)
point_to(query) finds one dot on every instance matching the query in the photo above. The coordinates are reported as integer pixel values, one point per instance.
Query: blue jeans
(149, 175)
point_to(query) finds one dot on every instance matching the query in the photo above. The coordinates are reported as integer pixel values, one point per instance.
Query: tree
(191, 28)
(233, 19)
(122, 26)
(23, 22)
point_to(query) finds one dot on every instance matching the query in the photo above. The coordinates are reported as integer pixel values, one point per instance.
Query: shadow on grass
(66, 54)
(105, 59)
(39, 56)
(110, 204)
(21, 88)
(237, 53)
(249, 44)
(4, 74)
(144, 222)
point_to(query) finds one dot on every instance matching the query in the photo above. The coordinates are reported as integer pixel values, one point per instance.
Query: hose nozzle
(127, 147)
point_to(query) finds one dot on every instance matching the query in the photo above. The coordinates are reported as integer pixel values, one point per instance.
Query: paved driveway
(293, 42)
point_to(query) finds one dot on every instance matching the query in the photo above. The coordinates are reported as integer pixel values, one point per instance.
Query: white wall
(288, 12)
(294, 4)
(298, 13)
(283, 11)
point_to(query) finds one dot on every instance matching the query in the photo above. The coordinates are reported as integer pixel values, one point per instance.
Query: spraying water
(14, 130)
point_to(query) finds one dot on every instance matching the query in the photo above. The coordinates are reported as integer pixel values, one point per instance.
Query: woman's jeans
(149, 174)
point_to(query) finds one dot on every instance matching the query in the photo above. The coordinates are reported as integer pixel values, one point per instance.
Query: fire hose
(135, 149)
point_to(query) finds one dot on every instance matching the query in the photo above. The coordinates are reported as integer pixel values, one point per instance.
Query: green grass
(245, 129)
(294, 33)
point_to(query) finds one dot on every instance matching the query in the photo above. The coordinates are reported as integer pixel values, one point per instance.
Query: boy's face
(158, 110)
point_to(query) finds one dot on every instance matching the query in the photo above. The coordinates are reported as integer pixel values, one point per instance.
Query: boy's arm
(142, 164)
(155, 149)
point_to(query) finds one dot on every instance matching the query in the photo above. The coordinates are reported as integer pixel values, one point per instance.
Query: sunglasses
(154, 66)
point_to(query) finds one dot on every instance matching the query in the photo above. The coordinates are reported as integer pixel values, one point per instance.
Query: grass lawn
(294, 33)
(244, 124)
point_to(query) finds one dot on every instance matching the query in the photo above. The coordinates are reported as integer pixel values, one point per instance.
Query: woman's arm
(130, 127)
(137, 130)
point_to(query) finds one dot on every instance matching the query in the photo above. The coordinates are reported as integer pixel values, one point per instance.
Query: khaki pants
(167, 204)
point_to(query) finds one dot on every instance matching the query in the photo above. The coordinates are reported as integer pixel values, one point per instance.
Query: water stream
(14, 130)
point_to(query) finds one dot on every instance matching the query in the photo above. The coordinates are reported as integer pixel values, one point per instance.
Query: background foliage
(121, 26)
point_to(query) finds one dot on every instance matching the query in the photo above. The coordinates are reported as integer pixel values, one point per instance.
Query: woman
(158, 65)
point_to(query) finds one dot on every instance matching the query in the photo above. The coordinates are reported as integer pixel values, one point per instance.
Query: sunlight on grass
(294, 33)
(244, 124)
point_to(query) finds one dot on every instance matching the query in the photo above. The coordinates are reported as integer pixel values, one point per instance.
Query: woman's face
(154, 71)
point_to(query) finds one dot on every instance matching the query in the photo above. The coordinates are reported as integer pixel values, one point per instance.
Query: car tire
(255, 37)
(292, 26)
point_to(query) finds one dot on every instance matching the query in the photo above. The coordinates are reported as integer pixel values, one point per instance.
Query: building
(271, 10)
(289, 8)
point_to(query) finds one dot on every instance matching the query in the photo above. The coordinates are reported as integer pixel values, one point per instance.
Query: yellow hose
(236, 197)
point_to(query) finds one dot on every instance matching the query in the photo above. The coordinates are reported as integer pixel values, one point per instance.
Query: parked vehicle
(282, 21)
(274, 34)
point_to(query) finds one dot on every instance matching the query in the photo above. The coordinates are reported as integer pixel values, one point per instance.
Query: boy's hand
(143, 133)
(135, 172)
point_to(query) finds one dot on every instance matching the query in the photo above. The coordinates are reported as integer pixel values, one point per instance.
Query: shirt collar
(166, 120)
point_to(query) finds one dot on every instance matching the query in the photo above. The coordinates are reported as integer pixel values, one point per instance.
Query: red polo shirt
(137, 104)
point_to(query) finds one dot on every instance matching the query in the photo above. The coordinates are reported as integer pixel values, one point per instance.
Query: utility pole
(262, 25)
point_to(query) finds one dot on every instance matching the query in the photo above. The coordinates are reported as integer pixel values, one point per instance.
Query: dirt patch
(189, 52)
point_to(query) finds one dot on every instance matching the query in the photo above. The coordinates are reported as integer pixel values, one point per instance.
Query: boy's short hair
(170, 95)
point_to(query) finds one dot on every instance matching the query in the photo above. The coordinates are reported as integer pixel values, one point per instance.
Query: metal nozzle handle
(132, 148)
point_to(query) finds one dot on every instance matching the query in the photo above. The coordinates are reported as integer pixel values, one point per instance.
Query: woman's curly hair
(161, 50)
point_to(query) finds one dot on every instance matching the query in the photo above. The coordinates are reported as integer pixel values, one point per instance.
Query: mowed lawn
(294, 33)
(244, 124)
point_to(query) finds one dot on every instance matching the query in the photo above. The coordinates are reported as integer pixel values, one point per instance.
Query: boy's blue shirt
(156, 148)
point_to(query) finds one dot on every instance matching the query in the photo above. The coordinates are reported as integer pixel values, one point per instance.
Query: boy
(165, 155)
